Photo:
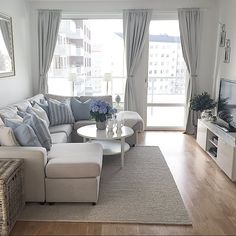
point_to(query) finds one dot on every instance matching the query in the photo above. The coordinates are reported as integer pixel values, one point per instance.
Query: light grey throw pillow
(40, 128)
(81, 110)
(60, 112)
(24, 133)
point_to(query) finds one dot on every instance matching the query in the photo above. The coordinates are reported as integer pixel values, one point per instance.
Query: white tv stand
(220, 146)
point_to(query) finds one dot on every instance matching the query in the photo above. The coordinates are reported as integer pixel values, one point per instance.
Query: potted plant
(101, 111)
(204, 104)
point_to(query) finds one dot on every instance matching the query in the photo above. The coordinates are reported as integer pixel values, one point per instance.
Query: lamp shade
(107, 77)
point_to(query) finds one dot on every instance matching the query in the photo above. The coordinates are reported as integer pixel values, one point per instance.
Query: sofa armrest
(35, 159)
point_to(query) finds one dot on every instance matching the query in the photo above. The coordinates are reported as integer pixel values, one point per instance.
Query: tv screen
(227, 102)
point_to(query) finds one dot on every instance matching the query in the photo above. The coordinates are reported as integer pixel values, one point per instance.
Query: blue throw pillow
(24, 133)
(81, 110)
(40, 128)
(43, 104)
(60, 112)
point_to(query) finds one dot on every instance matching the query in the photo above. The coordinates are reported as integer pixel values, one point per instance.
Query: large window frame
(165, 16)
(102, 16)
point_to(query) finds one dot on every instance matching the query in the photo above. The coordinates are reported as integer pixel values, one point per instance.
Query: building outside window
(166, 103)
(86, 51)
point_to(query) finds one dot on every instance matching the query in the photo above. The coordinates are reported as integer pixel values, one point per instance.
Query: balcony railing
(160, 89)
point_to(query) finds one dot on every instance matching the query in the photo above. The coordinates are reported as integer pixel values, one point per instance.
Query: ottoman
(133, 120)
(73, 172)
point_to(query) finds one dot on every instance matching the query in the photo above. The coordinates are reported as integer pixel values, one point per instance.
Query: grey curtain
(189, 25)
(135, 28)
(48, 26)
(6, 34)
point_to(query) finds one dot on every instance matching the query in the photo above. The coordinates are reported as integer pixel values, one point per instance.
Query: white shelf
(212, 156)
(212, 142)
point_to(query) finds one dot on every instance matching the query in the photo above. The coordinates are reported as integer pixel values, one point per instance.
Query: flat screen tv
(226, 110)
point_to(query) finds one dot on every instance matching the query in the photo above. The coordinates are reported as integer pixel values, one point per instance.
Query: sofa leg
(94, 203)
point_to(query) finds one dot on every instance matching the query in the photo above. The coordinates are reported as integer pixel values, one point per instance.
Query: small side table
(11, 193)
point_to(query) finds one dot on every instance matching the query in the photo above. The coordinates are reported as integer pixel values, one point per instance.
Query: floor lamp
(107, 78)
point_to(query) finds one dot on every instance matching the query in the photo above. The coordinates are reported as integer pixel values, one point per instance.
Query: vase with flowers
(101, 111)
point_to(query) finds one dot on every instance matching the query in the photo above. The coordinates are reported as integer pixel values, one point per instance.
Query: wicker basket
(11, 193)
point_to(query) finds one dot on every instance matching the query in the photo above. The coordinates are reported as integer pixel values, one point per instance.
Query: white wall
(18, 87)
(227, 16)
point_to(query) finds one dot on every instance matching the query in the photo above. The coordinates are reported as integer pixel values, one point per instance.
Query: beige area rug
(144, 191)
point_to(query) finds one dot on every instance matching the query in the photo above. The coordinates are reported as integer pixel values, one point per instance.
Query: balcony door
(166, 77)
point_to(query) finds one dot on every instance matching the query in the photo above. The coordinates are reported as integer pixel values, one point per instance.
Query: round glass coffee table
(112, 142)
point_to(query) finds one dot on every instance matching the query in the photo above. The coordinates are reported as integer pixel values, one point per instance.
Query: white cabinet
(201, 135)
(225, 157)
(220, 145)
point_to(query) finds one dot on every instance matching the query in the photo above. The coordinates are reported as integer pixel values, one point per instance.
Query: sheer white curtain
(189, 25)
(136, 30)
(48, 26)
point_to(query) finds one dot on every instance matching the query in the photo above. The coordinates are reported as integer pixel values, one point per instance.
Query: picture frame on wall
(222, 36)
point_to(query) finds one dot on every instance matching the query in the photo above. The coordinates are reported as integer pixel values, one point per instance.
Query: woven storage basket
(11, 193)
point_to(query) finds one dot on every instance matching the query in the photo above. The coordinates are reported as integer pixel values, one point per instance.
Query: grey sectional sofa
(70, 171)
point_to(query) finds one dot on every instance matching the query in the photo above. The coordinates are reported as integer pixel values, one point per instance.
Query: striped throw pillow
(60, 112)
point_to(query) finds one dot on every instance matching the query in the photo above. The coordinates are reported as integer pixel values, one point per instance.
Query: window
(90, 59)
(166, 104)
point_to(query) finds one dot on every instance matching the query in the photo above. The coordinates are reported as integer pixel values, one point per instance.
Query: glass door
(166, 77)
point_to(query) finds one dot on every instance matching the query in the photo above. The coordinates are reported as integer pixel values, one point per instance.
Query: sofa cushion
(59, 137)
(40, 112)
(81, 110)
(24, 133)
(106, 98)
(44, 106)
(36, 98)
(74, 160)
(82, 123)
(9, 112)
(60, 112)
(40, 128)
(22, 106)
(67, 128)
(7, 137)
(58, 97)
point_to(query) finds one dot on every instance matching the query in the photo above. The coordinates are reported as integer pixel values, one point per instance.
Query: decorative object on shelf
(204, 104)
(206, 115)
(227, 51)
(101, 111)
(117, 99)
(110, 124)
(222, 36)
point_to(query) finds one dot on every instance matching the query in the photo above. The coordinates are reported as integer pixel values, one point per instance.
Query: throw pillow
(44, 106)
(40, 128)
(60, 112)
(7, 137)
(40, 112)
(24, 134)
(81, 110)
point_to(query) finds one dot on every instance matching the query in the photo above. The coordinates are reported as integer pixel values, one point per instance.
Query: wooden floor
(209, 196)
